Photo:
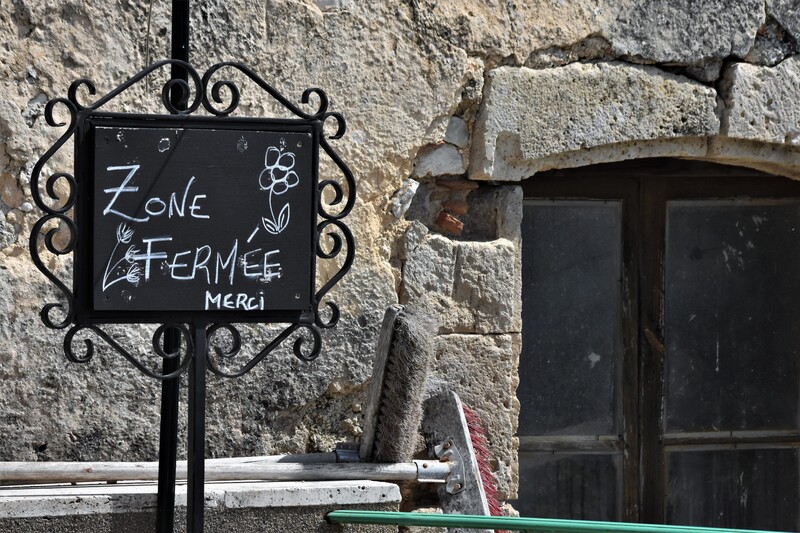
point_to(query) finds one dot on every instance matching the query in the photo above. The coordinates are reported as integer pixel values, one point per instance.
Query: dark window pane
(571, 269)
(746, 488)
(732, 316)
(575, 486)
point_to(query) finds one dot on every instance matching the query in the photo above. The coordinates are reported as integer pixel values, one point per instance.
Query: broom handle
(222, 470)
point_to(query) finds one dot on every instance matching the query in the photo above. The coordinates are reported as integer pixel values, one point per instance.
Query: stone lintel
(530, 116)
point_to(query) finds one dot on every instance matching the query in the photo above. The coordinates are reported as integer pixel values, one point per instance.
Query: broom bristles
(478, 437)
(396, 434)
(400, 406)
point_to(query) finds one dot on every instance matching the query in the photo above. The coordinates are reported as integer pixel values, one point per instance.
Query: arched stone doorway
(660, 363)
(533, 121)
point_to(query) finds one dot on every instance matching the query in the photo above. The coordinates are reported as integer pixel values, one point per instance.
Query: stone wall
(448, 104)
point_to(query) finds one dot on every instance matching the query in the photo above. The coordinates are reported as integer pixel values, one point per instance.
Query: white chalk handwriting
(223, 267)
(154, 206)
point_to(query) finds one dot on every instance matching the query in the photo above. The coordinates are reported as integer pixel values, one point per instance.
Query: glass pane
(732, 316)
(753, 489)
(571, 270)
(574, 486)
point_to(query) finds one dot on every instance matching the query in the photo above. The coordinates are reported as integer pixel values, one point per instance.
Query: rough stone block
(428, 275)
(505, 28)
(401, 200)
(413, 237)
(487, 287)
(686, 32)
(480, 369)
(773, 44)
(10, 192)
(787, 13)
(441, 160)
(761, 102)
(530, 115)
(467, 287)
(325, 5)
(8, 230)
(457, 132)
(781, 159)
(509, 216)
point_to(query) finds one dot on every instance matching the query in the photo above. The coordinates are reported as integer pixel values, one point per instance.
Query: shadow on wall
(465, 210)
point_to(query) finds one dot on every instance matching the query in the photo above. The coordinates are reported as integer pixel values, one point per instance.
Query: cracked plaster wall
(459, 97)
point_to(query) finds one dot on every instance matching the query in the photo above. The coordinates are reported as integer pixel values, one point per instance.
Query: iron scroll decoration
(57, 196)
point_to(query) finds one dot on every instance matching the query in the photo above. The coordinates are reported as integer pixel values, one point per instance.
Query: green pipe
(512, 523)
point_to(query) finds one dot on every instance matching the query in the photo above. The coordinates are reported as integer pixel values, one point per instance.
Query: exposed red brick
(449, 223)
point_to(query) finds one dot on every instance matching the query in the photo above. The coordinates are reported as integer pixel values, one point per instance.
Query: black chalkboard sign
(196, 223)
(199, 217)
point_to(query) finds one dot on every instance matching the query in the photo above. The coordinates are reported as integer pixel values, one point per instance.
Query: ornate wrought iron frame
(208, 94)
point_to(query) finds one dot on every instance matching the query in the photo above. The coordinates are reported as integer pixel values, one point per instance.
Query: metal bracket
(448, 453)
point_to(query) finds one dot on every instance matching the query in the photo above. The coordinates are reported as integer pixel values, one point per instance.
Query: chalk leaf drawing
(277, 178)
(125, 268)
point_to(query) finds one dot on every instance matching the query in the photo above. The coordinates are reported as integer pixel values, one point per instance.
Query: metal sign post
(170, 388)
(197, 223)
(197, 431)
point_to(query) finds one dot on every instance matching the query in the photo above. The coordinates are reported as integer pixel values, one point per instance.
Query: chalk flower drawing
(133, 274)
(124, 234)
(116, 271)
(277, 177)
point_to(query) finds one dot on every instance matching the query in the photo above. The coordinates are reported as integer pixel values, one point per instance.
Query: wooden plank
(372, 407)
(725, 437)
(572, 445)
(651, 346)
(627, 391)
(715, 446)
